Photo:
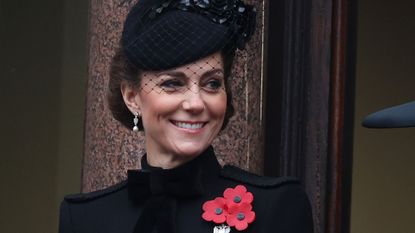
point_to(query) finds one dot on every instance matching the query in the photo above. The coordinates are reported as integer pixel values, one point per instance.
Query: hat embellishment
(234, 209)
(239, 17)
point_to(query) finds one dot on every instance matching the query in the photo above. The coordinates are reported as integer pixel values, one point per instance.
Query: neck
(156, 157)
(166, 161)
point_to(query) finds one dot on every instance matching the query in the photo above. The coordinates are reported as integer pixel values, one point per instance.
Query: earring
(135, 128)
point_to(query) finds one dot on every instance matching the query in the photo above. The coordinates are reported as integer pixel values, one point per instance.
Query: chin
(191, 150)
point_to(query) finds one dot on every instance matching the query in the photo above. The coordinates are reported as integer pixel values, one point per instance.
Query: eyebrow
(179, 74)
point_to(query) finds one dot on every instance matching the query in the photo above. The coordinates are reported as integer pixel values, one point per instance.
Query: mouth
(189, 125)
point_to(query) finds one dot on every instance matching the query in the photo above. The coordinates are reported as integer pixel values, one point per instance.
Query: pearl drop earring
(135, 128)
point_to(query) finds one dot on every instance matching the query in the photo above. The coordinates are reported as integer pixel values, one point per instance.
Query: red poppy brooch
(234, 208)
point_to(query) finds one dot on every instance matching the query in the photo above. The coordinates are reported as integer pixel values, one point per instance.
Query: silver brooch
(222, 229)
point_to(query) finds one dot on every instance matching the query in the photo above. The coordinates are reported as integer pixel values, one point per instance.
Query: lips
(189, 125)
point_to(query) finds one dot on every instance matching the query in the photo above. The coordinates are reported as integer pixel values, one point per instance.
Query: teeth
(188, 125)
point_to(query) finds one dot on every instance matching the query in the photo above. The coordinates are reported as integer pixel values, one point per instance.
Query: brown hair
(122, 70)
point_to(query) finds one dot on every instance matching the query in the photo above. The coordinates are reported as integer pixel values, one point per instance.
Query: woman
(170, 79)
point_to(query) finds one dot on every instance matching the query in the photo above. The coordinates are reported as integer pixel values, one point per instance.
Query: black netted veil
(160, 35)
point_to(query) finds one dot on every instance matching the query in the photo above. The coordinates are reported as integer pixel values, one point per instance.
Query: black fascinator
(162, 34)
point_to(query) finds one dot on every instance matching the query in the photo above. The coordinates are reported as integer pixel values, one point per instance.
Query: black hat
(162, 34)
(394, 117)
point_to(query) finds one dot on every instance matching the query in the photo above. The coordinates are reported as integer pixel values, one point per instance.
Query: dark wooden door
(309, 109)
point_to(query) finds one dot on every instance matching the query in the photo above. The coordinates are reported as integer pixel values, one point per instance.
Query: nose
(193, 102)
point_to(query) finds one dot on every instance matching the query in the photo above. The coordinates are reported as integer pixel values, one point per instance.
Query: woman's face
(182, 110)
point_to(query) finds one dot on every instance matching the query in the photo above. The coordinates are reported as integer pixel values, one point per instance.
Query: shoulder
(89, 212)
(280, 202)
(240, 175)
(86, 197)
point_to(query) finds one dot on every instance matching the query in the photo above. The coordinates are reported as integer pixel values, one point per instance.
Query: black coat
(170, 201)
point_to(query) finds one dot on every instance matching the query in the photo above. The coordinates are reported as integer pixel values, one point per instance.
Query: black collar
(186, 180)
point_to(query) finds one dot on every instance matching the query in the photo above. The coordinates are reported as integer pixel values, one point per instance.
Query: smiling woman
(182, 109)
(122, 71)
(170, 79)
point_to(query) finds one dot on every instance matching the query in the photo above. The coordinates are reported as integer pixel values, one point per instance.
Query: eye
(171, 85)
(213, 85)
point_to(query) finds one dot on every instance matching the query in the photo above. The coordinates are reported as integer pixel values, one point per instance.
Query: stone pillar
(110, 149)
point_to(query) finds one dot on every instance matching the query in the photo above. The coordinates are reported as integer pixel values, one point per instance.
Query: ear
(131, 96)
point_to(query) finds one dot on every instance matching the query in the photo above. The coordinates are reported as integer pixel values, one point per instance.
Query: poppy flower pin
(234, 209)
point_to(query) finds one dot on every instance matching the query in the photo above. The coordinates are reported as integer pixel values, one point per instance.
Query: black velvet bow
(158, 214)
(157, 190)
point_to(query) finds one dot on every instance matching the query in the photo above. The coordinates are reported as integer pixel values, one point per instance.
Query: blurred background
(42, 93)
(43, 72)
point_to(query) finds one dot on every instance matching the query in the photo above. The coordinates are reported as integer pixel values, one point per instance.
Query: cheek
(156, 105)
(218, 106)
